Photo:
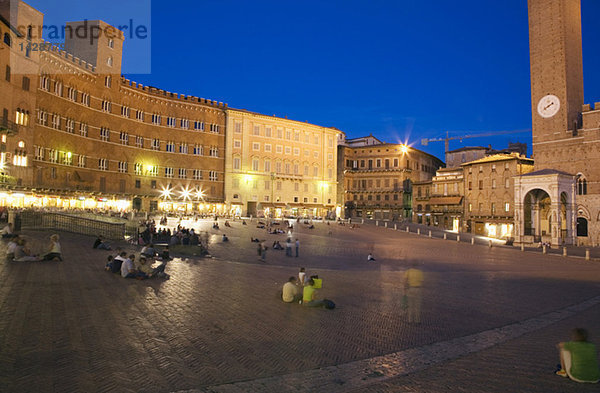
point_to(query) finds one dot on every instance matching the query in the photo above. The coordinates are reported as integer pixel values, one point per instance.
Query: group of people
(304, 291)
(143, 269)
(18, 251)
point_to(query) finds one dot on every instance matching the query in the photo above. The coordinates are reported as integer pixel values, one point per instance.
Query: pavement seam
(354, 375)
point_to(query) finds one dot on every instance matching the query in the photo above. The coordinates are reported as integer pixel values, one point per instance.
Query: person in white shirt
(128, 269)
(11, 247)
(55, 250)
(7, 231)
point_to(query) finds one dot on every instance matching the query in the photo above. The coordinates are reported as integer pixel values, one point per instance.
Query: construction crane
(449, 138)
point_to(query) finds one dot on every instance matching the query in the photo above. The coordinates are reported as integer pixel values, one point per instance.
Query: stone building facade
(421, 208)
(490, 192)
(446, 202)
(93, 139)
(278, 167)
(377, 178)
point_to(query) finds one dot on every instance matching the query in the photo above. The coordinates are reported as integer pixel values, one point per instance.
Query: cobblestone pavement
(490, 318)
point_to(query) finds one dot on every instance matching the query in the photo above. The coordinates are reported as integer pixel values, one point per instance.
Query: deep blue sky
(402, 70)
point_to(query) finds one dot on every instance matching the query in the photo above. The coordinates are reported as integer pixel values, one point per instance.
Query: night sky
(401, 70)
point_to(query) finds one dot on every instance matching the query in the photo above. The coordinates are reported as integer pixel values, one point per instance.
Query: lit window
(103, 164)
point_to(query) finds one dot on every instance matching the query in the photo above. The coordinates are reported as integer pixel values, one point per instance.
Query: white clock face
(548, 106)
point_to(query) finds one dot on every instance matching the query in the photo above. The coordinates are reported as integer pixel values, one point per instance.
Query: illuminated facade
(279, 167)
(377, 177)
(489, 186)
(86, 137)
(446, 202)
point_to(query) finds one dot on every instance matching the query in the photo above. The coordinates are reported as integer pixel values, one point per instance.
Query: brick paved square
(217, 324)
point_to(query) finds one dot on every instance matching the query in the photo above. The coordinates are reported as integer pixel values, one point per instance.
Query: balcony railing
(8, 127)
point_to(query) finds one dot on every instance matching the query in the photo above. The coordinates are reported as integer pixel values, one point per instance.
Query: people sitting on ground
(261, 226)
(11, 247)
(164, 255)
(254, 240)
(227, 224)
(128, 269)
(100, 244)
(301, 276)
(109, 263)
(244, 222)
(8, 231)
(54, 250)
(149, 251)
(23, 254)
(370, 258)
(309, 295)
(117, 262)
(225, 238)
(290, 293)
(216, 225)
(277, 245)
(147, 271)
(312, 226)
(579, 358)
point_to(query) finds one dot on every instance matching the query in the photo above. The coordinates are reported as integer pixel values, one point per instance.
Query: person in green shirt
(579, 358)
(308, 295)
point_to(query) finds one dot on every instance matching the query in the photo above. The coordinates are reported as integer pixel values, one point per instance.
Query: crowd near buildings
(76, 134)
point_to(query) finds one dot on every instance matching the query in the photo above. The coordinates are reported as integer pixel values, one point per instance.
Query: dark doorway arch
(137, 204)
(582, 227)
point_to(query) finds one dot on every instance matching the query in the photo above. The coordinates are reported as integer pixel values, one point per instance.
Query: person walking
(297, 247)
(264, 251)
(288, 247)
(413, 281)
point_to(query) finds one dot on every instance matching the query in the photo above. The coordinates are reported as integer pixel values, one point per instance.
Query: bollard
(385, 224)
(418, 231)
(457, 238)
(544, 250)
(362, 220)
(472, 241)
(564, 251)
(395, 227)
(445, 236)
(429, 233)
(377, 223)
(587, 254)
(522, 246)
(407, 230)
(490, 244)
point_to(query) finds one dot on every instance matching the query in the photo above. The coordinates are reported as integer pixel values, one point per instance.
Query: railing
(7, 126)
(74, 224)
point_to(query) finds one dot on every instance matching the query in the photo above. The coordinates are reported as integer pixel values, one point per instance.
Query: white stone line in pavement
(360, 373)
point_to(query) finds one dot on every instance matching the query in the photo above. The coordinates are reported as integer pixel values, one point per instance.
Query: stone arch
(537, 216)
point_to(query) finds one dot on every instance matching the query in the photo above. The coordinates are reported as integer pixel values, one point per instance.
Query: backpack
(328, 304)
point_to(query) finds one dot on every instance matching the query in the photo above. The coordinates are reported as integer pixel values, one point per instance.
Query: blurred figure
(579, 358)
(413, 282)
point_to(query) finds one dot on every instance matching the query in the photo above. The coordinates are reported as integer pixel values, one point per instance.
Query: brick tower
(556, 72)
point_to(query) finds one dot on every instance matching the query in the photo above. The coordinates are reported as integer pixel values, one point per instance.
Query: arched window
(7, 39)
(581, 185)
